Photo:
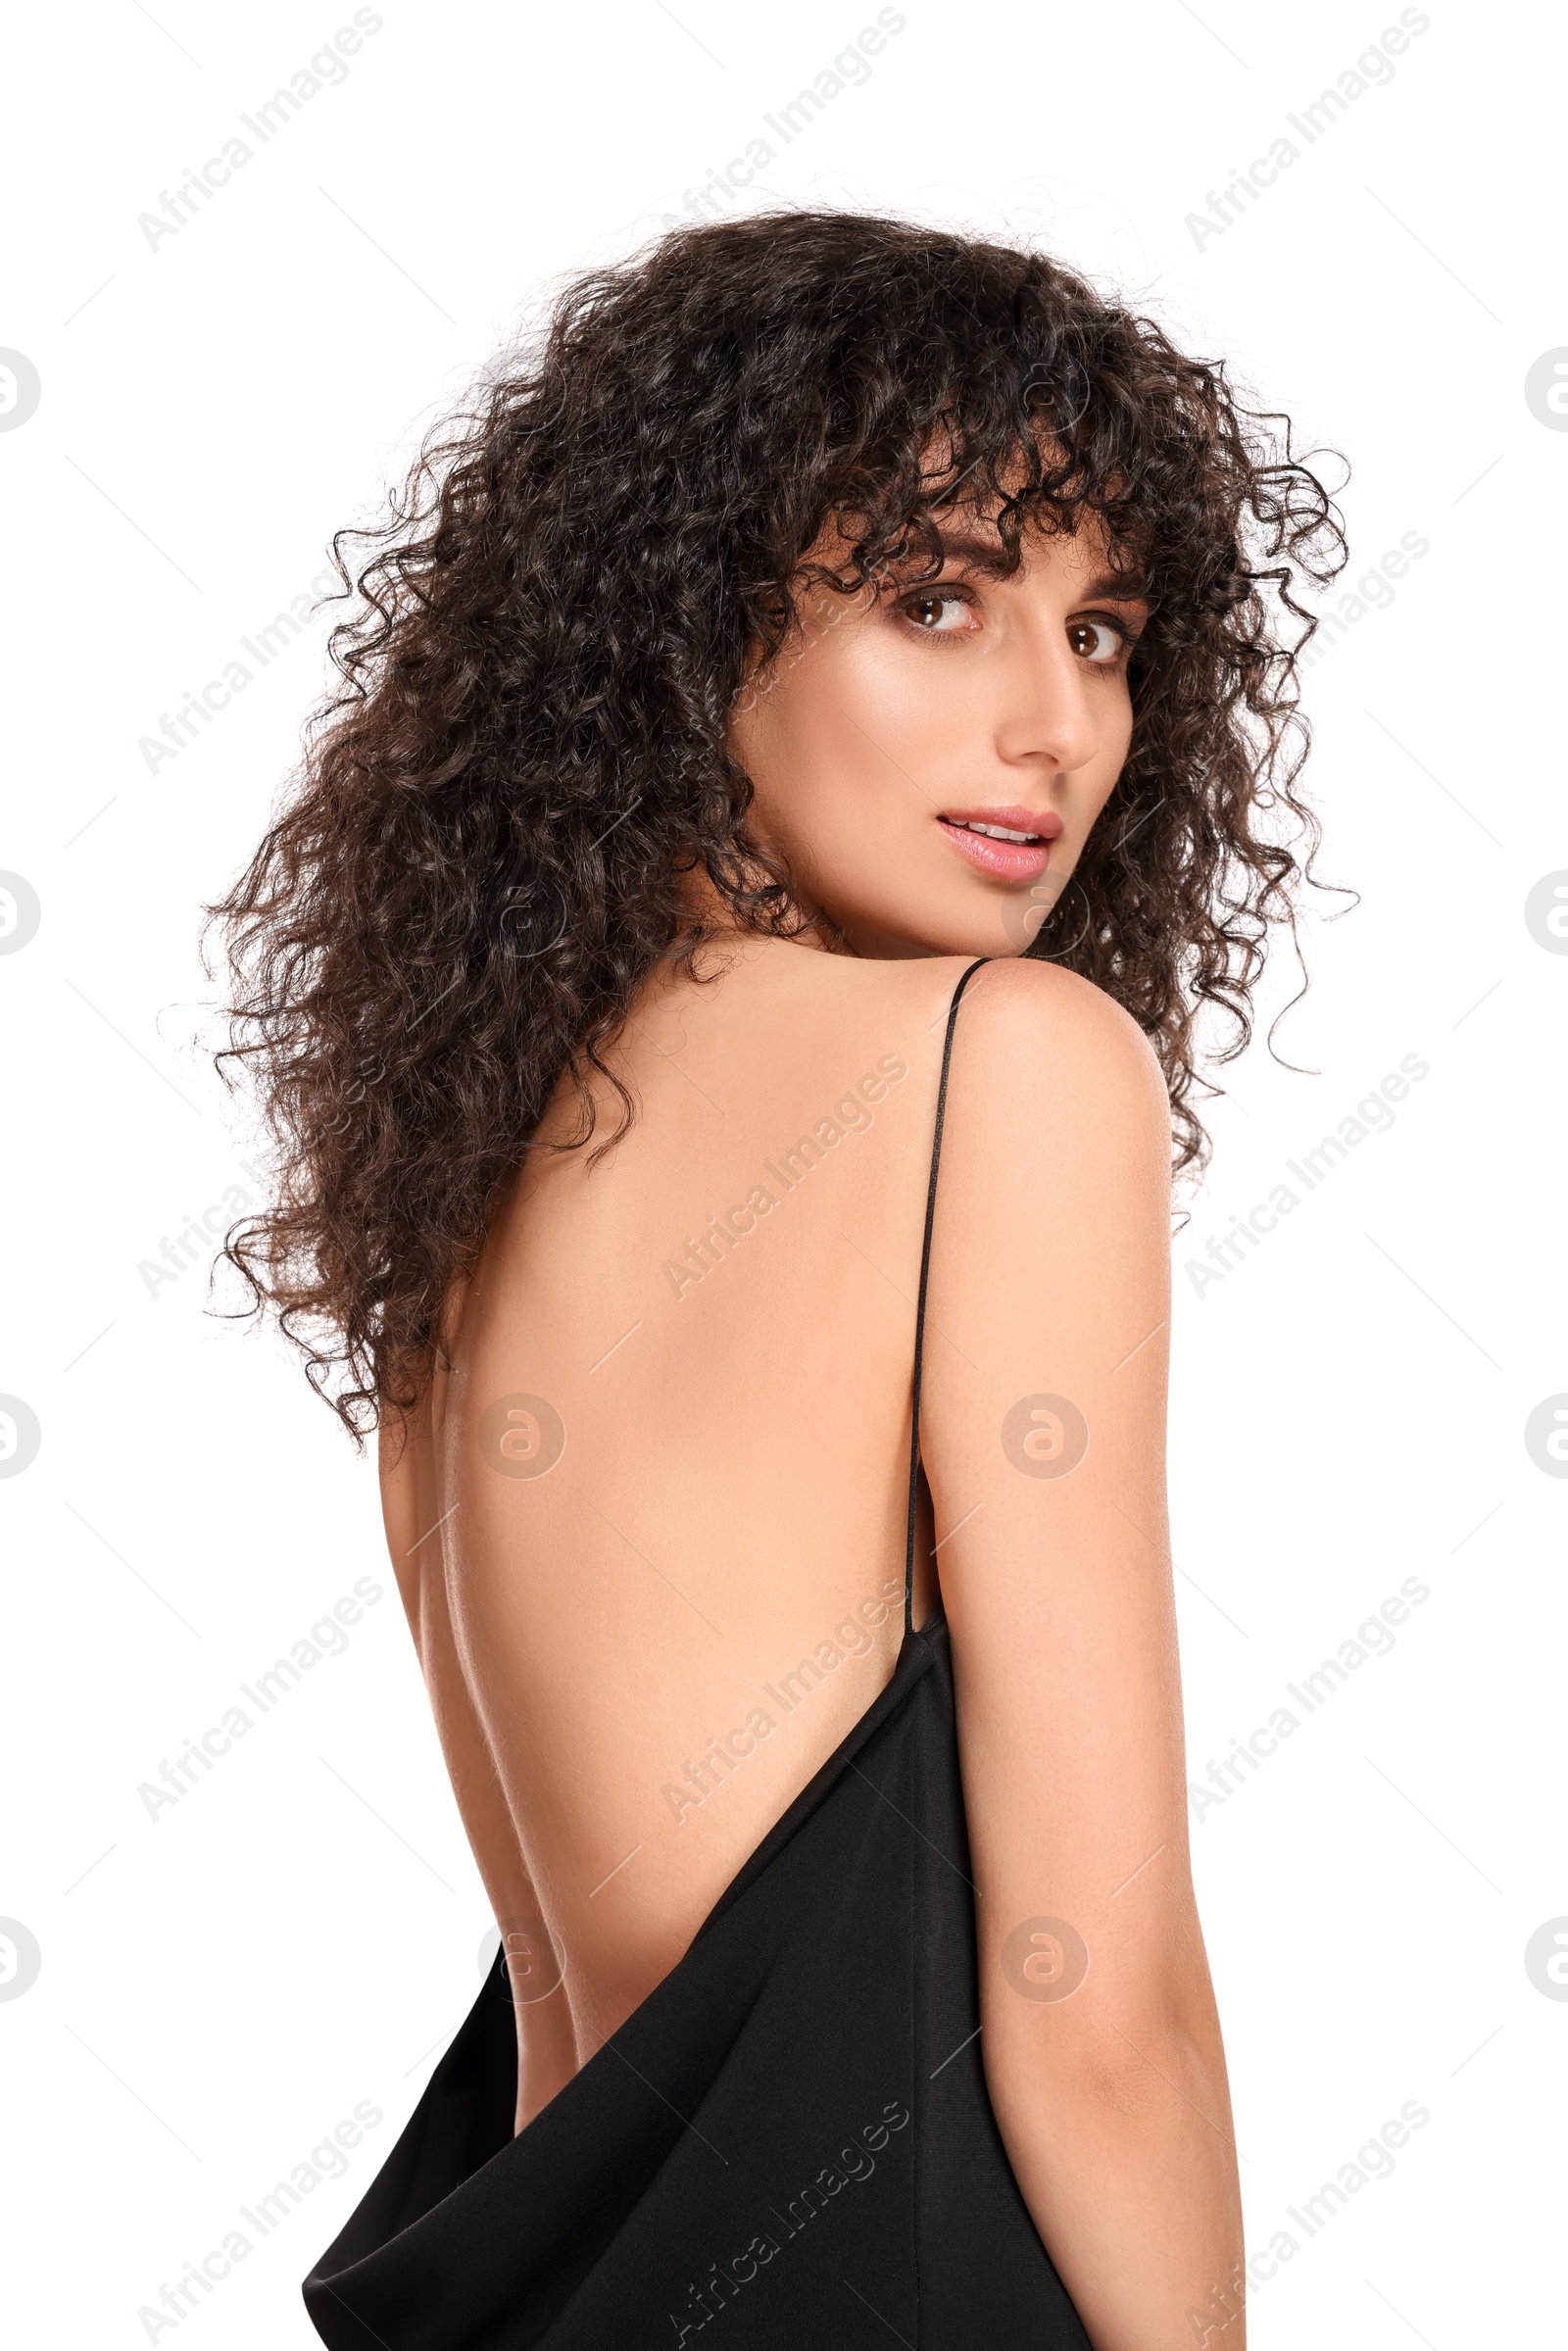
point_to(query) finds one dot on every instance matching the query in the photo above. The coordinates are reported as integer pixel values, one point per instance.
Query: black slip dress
(789, 2144)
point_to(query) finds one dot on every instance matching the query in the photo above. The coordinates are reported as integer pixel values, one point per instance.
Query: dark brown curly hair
(483, 856)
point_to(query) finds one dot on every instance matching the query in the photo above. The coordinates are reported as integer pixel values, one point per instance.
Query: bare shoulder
(1047, 1023)
(1038, 1052)
(1050, 1074)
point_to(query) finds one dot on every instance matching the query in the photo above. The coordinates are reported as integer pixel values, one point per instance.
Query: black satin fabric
(788, 2144)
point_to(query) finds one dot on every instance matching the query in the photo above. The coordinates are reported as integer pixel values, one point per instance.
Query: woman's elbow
(1115, 2065)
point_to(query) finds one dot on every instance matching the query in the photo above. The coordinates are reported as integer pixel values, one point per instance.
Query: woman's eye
(939, 616)
(1096, 639)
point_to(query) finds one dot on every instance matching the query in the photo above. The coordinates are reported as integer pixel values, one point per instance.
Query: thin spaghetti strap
(925, 1275)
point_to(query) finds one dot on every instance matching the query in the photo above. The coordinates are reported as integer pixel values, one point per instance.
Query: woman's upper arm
(1042, 1435)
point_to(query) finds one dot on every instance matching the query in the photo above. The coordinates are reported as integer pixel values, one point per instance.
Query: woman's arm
(1049, 1286)
(547, 2055)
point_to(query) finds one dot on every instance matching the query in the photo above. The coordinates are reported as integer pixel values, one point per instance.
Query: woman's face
(929, 760)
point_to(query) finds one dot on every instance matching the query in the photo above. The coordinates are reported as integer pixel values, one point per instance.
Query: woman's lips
(1009, 861)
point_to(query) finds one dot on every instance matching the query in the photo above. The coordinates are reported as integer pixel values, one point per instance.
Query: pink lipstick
(1013, 843)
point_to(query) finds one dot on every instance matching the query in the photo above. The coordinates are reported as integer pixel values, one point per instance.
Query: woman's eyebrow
(983, 555)
(1117, 587)
(989, 557)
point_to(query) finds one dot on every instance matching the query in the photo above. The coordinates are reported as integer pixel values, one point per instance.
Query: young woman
(812, 744)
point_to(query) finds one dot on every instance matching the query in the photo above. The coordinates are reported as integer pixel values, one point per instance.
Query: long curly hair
(483, 856)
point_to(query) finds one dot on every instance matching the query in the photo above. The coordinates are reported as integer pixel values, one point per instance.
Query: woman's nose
(1049, 709)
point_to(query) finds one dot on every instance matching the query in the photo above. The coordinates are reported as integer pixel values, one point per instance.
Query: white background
(223, 1984)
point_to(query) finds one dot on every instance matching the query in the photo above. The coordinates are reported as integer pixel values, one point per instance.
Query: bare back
(650, 1525)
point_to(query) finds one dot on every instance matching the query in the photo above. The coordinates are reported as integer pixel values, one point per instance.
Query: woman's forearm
(1127, 2164)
